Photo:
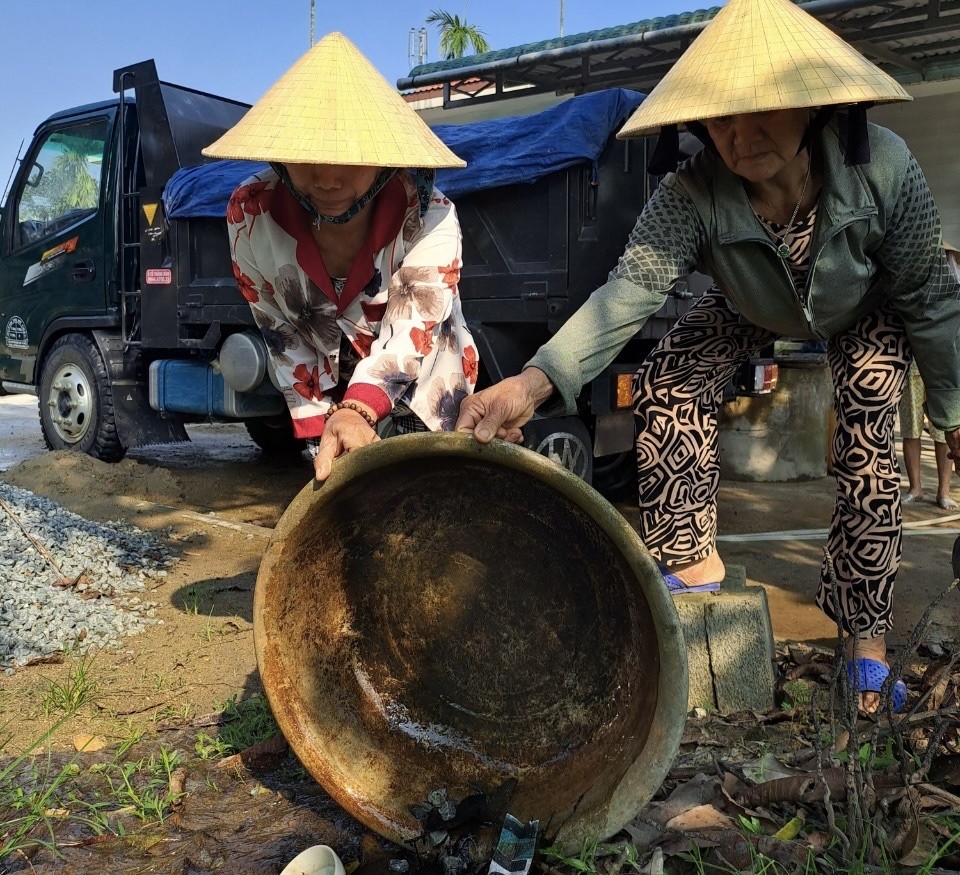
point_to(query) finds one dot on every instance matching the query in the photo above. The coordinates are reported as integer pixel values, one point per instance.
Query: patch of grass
(69, 695)
(592, 853)
(175, 712)
(750, 825)
(210, 747)
(38, 795)
(207, 633)
(142, 788)
(704, 863)
(871, 759)
(131, 735)
(245, 724)
(798, 694)
(190, 599)
(28, 794)
(949, 827)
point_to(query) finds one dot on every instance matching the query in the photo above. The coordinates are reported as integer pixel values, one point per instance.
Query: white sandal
(318, 860)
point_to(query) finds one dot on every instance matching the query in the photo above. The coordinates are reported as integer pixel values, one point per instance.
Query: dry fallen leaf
(700, 817)
(767, 768)
(175, 787)
(258, 754)
(919, 846)
(89, 743)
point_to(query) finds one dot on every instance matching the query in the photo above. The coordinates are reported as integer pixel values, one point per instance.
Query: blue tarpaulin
(203, 192)
(506, 151)
(503, 151)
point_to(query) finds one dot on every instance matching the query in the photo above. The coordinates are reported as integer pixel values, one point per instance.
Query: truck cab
(119, 319)
(55, 231)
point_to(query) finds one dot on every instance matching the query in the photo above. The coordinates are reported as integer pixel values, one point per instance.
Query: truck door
(52, 260)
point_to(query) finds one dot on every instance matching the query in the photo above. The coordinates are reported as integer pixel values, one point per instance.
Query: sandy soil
(215, 501)
(202, 655)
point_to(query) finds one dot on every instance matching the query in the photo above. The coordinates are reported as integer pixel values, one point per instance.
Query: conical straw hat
(333, 107)
(759, 55)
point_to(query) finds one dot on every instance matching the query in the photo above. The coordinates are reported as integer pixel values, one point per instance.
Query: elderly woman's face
(332, 188)
(757, 145)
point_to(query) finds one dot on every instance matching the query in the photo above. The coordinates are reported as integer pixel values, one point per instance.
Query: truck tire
(565, 440)
(76, 401)
(615, 476)
(274, 435)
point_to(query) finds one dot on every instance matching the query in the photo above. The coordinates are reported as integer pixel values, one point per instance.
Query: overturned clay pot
(442, 614)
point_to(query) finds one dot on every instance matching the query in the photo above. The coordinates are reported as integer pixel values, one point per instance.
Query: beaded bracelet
(351, 405)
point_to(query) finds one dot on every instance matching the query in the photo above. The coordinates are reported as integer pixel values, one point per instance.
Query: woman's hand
(501, 409)
(346, 430)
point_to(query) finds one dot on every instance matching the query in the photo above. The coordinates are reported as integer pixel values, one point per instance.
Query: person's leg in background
(944, 469)
(944, 476)
(869, 364)
(911, 463)
(677, 394)
(944, 463)
(911, 428)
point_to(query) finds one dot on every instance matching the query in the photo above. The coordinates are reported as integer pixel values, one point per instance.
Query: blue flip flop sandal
(870, 677)
(677, 587)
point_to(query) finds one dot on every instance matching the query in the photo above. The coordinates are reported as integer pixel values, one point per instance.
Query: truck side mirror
(35, 175)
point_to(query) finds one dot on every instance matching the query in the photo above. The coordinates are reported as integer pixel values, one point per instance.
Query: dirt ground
(217, 507)
(215, 502)
(217, 518)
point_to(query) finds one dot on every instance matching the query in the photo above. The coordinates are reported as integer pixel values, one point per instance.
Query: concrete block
(730, 651)
(693, 621)
(783, 436)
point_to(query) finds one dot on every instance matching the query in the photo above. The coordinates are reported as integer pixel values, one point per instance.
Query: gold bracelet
(356, 408)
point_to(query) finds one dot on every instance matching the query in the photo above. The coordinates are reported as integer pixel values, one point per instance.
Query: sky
(56, 54)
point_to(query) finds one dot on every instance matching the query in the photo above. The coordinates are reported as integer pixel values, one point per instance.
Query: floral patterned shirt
(398, 310)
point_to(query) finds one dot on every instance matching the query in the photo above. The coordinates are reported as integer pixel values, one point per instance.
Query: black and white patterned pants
(677, 393)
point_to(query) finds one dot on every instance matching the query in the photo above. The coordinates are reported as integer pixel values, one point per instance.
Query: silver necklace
(783, 250)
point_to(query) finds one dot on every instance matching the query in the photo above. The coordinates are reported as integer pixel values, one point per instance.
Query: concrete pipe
(446, 615)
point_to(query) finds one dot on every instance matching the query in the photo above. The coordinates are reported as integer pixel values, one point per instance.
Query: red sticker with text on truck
(158, 276)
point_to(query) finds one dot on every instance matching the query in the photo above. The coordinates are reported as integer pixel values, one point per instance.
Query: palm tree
(456, 35)
(78, 190)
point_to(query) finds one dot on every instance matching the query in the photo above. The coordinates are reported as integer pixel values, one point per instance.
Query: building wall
(433, 113)
(930, 124)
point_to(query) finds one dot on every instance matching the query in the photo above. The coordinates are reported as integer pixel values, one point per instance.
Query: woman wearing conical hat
(813, 224)
(348, 255)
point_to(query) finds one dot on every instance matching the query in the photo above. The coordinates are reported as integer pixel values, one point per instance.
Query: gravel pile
(78, 588)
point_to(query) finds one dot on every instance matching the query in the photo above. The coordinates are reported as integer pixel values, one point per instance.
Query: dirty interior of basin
(446, 615)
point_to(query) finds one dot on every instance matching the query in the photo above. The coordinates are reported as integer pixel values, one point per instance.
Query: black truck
(127, 323)
(124, 324)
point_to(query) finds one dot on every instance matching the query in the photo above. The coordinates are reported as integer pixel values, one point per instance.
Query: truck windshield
(63, 183)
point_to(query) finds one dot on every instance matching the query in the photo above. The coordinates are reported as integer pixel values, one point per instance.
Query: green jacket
(877, 238)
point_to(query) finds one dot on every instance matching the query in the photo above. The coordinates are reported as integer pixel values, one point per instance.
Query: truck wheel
(76, 401)
(274, 435)
(565, 439)
(615, 476)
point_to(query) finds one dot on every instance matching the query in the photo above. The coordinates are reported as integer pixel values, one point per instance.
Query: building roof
(912, 40)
